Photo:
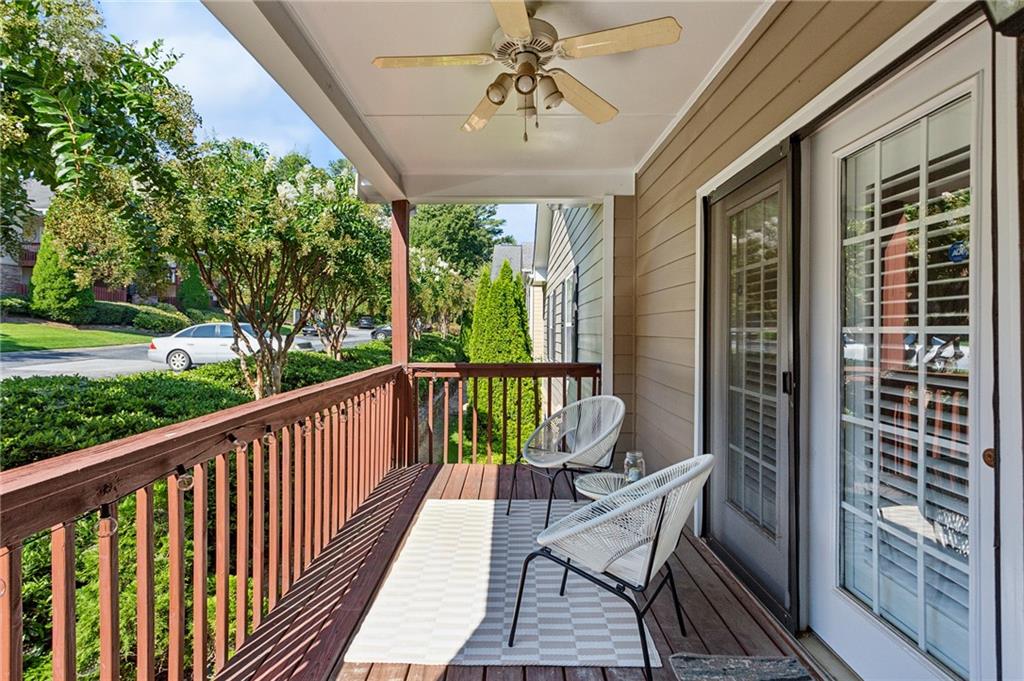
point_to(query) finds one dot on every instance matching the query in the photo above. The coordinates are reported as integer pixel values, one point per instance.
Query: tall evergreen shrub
(54, 292)
(501, 335)
(192, 294)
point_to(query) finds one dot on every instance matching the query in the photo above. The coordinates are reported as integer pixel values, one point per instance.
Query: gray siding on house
(796, 51)
(576, 247)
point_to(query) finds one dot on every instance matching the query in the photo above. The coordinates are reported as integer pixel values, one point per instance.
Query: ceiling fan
(526, 46)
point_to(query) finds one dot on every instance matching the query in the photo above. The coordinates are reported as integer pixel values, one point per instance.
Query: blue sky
(232, 92)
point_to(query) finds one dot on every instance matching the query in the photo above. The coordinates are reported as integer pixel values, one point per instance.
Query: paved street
(109, 361)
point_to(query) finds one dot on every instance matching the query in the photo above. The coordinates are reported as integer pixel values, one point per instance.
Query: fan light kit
(525, 46)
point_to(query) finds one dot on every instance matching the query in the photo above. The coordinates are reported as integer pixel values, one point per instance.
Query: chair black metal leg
(551, 496)
(572, 485)
(675, 599)
(512, 494)
(565, 576)
(648, 675)
(519, 597)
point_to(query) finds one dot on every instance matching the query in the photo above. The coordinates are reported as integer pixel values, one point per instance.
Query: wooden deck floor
(305, 636)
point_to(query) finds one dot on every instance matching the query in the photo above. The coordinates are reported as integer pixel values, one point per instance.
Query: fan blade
(582, 98)
(513, 19)
(481, 115)
(433, 60)
(654, 33)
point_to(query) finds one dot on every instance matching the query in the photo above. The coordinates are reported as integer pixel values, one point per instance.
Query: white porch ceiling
(401, 127)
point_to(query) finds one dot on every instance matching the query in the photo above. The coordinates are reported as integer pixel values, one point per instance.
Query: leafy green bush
(160, 321)
(166, 307)
(113, 314)
(14, 306)
(191, 292)
(55, 293)
(199, 316)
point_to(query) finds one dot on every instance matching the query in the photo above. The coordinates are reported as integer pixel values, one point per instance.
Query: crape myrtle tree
(266, 238)
(437, 291)
(84, 113)
(360, 264)
(464, 235)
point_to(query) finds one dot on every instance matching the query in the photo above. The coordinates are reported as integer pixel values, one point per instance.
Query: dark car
(366, 322)
(381, 332)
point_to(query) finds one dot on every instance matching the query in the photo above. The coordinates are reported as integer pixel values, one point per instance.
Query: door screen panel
(904, 440)
(753, 359)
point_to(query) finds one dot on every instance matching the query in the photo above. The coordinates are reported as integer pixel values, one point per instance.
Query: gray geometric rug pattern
(693, 667)
(450, 596)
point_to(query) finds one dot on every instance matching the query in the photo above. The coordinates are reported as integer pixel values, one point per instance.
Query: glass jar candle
(634, 466)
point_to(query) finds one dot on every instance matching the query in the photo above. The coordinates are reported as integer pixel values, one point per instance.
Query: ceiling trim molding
(517, 188)
(735, 46)
(275, 39)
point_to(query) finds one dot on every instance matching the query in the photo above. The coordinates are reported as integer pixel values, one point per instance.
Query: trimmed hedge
(199, 316)
(114, 314)
(160, 321)
(14, 306)
(46, 416)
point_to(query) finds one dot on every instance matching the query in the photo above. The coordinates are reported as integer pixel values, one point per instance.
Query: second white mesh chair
(577, 438)
(622, 541)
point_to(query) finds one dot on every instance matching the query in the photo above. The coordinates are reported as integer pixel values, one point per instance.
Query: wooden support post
(400, 324)
(400, 282)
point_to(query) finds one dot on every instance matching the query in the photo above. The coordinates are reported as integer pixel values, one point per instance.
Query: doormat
(451, 592)
(691, 667)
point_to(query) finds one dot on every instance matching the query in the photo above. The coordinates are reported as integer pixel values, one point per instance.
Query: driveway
(115, 360)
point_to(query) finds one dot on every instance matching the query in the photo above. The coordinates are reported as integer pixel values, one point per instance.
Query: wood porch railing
(257, 490)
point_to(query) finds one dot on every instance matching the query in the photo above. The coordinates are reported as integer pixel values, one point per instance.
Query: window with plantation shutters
(905, 437)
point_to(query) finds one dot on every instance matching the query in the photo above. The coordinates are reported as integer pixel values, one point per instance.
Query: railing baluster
(336, 502)
(223, 529)
(565, 392)
(537, 398)
(144, 615)
(110, 639)
(176, 579)
(241, 544)
(504, 420)
(307, 493)
(62, 570)
(548, 398)
(297, 481)
(258, 528)
(446, 407)
(199, 624)
(461, 418)
(274, 528)
(328, 480)
(476, 416)
(10, 614)
(490, 421)
(349, 459)
(430, 420)
(519, 418)
(318, 485)
(415, 419)
(286, 509)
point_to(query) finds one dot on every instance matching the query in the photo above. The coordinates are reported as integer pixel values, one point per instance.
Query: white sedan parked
(201, 344)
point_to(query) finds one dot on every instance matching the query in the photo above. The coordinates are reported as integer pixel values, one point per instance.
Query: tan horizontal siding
(796, 51)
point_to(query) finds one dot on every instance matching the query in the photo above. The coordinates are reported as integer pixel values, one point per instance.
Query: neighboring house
(16, 272)
(520, 258)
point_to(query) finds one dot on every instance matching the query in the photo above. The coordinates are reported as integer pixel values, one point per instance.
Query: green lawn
(20, 336)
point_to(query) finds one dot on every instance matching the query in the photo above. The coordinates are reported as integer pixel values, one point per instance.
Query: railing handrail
(524, 370)
(46, 493)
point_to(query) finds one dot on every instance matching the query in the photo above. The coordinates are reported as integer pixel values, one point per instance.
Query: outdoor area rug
(691, 667)
(451, 593)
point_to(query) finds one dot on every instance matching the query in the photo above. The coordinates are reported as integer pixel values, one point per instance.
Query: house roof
(401, 127)
(519, 256)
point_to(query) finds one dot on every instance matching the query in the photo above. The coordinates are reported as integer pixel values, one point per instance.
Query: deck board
(306, 634)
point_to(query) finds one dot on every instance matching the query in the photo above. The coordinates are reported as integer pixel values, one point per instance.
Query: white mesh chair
(577, 438)
(626, 538)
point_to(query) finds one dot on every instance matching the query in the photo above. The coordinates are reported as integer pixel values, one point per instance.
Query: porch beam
(400, 321)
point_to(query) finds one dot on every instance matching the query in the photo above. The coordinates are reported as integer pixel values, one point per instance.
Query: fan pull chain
(525, 136)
